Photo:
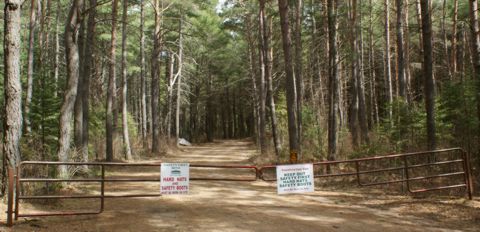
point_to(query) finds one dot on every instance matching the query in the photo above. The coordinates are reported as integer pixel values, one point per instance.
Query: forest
(106, 80)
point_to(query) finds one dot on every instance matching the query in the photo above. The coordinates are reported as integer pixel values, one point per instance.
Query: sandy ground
(250, 206)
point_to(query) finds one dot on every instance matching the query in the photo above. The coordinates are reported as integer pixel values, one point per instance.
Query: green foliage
(458, 102)
(313, 135)
(45, 111)
(282, 116)
(97, 122)
(455, 120)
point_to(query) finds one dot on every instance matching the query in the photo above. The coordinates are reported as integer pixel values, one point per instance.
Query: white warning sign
(174, 178)
(296, 178)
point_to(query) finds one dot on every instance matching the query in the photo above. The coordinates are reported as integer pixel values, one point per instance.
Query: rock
(184, 142)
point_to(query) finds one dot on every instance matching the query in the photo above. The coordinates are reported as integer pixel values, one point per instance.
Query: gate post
(467, 169)
(102, 189)
(405, 167)
(17, 190)
(10, 197)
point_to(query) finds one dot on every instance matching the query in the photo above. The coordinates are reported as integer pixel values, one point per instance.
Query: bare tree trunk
(388, 68)
(291, 95)
(454, 38)
(126, 138)
(252, 70)
(209, 117)
(12, 126)
(353, 108)
(400, 53)
(444, 39)
(362, 114)
(143, 79)
(298, 70)
(262, 52)
(317, 72)
(428, 72)
(78, 108)
(31, 48)
(333, 80)
(46, 31)
(111, 89)
(156, 80)
(371, 57)
(408, 73)
(179, 83)
(461, 61)
(88, 72)
(270, 93)
(317, 82)
(419, 22)
(73, 72)
(56, 65)
(475, 30)
(170, 66)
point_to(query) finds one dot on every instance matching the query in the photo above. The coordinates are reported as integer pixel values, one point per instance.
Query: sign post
(174, 178)
(296, 178)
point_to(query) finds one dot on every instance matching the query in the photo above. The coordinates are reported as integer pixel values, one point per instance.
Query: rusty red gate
(360, 169)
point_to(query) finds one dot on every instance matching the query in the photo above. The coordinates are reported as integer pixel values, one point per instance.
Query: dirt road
(255, 206)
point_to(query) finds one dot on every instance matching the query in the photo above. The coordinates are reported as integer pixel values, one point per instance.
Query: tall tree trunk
(262, 52)
(374, 118)
(209, 117)
(88, 72)
(475, 30)
(290, 86)
(12, 126)
(270, 93)
(170, 67)
(73, 73)
(126, 138)
(31, 48)
(400, 53)
(428, 72)
(408, 73)
(388, 67)
(179, 83)
(143, 79)
(46, 31)
(252, 69)
(419, 22)
(462, 55)
(454, 38)
(317, 82)
(111, 89)
(444, 39)
(155, 85)
(362, 114)
(298, 69)
(315, 53)
(78, 108)
(333, 80)
(56, 65)
(353, 108)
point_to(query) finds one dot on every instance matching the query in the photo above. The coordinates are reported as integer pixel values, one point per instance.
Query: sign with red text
(296, 178)
(174, 178)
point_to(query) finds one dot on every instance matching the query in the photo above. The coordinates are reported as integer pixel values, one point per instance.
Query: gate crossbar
(462, 158)
(102, 180)
(15, 181)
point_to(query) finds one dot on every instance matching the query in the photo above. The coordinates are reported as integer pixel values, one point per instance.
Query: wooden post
(10, 197)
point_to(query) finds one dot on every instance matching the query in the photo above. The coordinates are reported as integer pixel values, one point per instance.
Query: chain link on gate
(15, 182)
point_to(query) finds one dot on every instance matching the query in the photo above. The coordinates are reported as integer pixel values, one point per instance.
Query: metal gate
(402, 162)
(407, 163)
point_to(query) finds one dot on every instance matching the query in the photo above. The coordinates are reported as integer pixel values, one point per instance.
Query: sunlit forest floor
(250, 206)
